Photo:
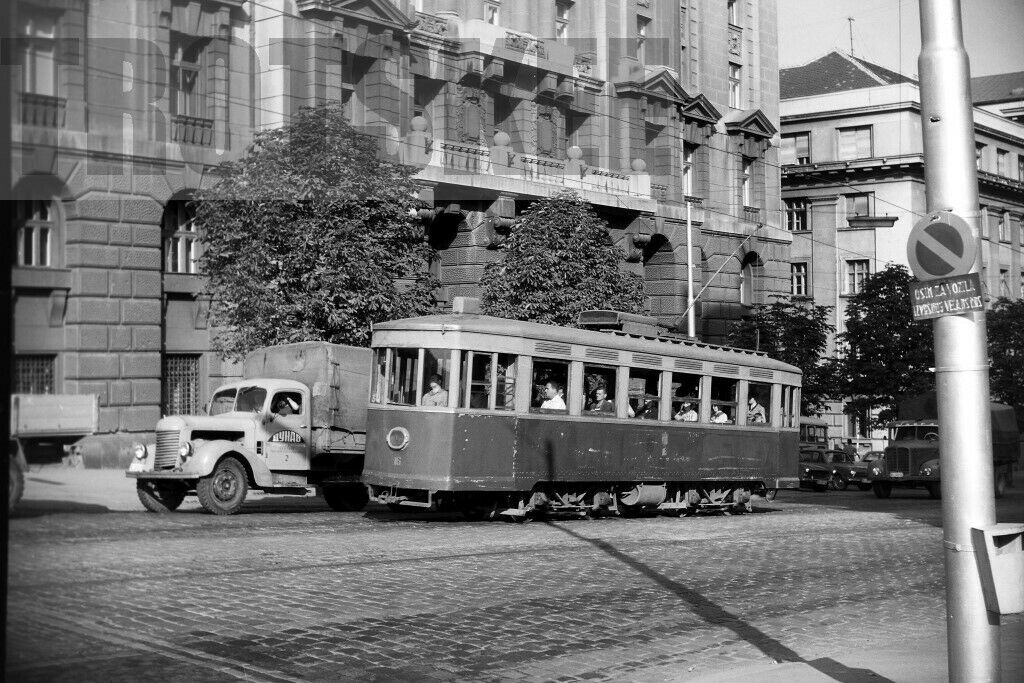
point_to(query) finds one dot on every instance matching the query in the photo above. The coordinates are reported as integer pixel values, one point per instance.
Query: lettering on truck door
(287, 446)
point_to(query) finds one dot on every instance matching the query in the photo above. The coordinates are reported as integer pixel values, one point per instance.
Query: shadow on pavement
(41, 508)
(714, 614)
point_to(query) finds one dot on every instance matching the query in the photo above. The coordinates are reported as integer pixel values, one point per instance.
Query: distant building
(1001, 94)
(121, 111)
(853, 182)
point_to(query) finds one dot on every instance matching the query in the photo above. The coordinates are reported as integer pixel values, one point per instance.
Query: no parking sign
(941, 244)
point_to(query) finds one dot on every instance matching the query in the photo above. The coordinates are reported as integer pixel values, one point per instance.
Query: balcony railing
(44, 111)
(192, 130)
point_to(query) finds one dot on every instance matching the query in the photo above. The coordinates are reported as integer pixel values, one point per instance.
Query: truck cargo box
(338, 378)
(53, 415)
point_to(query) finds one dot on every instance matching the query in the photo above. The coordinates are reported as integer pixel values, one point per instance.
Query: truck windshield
(223, 402)
(250, 399)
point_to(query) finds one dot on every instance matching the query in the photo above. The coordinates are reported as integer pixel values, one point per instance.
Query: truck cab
(911, 458)
(278, 434)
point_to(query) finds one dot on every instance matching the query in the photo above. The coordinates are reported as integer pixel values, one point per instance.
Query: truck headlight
(875, 471)
(139, 451)
(926, 471)
(185, 450)
(853, 473)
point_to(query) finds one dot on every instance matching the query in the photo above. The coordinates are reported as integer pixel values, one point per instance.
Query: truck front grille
(897, 459)
(166, 456)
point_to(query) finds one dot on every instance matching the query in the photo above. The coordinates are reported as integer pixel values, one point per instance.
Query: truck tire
(160, 497)
(16, 484)
(882, 489)
(346, 497)
(222, 492)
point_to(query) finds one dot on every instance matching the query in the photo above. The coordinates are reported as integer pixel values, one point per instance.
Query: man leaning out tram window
(554, 396)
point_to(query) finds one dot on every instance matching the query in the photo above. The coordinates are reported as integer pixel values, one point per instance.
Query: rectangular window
(796, 215)
(759, 403)
(854, 143)
(436, 377)
(402, 381)
(798, 279)
(862, 204)
(1004, 282)
(599, 383)
(181, 240)
(733, 9)
(550, 386)
(1020, 166)
(34, 373)
(644, 393)
(180, 384)
(39, 63)
(735, 86)
(796, 149)
(34, 219)
(1003, 228)
(186, 73)
(979, 155)
(562, 8)
(856, 273)
(686, 397)
(492, 13)
(641, 38)
(1003, 163)
(689, 154)
(489, 380)
(746, 182)
(723, 400)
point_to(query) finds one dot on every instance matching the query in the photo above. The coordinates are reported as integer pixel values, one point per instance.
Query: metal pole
(961, 355)
(691, 325)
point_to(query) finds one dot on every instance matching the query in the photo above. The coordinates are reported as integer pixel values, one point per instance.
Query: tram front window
(644, 393)
(550, 385)
(402, 387)
(436, 372)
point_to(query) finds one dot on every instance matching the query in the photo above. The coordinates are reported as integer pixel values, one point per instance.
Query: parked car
(815, 470)
(849, 469)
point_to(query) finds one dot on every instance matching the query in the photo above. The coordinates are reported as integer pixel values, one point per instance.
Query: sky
(888, 32)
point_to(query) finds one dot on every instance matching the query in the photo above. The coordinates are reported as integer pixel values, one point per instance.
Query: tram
(506, 418)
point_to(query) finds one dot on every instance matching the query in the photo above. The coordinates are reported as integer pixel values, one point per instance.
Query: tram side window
(402, 387)
(377, 380)
(723, 400)
(478, 369)
(759, 401)
(599, 385)
(685, 397)
(790, 406)
(436, 373)
(644, 393)
(550, 385)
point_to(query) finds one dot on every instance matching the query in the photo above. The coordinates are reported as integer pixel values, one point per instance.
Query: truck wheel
(346, 497)
(16, 484)
(934, 490)
(882, 490)
(160, 497)
(222, 492)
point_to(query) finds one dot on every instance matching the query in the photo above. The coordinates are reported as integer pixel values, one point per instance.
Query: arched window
(181, 242)
(36, 230)
(751, 270)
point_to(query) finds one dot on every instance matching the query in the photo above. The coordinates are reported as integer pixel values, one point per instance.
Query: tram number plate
(895, 475)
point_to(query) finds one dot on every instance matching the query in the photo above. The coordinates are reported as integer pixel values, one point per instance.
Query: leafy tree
(310, 237)
(795, 333)
(559, 260)
(888, 353)
(1005, 326)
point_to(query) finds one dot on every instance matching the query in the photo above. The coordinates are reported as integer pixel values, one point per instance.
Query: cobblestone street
(289, 590)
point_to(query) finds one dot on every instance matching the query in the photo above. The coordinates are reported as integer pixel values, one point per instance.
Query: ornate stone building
(651, 110)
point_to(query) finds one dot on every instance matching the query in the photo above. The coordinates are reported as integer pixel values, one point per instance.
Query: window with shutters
(860, 204)
(1003, 163)
(855, 143)
(796, 149)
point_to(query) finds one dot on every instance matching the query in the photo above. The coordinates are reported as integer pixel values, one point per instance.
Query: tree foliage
(559, 260)
(1005, 327)
(795, 333)
(310, 237)
(888, 355)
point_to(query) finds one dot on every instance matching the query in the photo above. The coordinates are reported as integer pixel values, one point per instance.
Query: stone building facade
(853, 185)
(656, 112)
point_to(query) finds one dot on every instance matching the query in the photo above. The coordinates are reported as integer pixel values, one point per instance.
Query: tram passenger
(717, 415)
(602, 404)
(686, 413)
(554, 396)
(755, 412)
(436, 396)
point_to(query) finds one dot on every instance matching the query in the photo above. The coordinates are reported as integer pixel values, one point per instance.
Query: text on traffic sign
(948, 296)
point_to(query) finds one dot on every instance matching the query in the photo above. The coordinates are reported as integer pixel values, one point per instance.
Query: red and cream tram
(502, 417)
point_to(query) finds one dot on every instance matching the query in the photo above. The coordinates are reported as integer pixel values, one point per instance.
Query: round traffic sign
(940, 245)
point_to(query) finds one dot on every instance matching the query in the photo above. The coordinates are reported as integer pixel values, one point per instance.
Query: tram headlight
(185, 450)
(139, 451)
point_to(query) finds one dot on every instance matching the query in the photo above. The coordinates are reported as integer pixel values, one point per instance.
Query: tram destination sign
(947, 296)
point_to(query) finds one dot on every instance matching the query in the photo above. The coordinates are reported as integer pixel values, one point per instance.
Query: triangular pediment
(700, 109)
(751, 122)
(659, 83)
(379, 12)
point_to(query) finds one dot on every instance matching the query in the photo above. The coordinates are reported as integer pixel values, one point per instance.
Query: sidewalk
(54, 489)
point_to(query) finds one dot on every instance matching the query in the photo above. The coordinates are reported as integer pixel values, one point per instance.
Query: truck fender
(209, 454)
(931, 466)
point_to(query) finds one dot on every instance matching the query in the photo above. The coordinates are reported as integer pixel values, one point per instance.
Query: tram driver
(436, 395)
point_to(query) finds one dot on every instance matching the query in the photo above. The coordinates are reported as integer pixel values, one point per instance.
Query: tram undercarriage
(583, 499)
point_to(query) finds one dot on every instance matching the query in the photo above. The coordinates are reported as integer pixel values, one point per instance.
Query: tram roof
(667, 345)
